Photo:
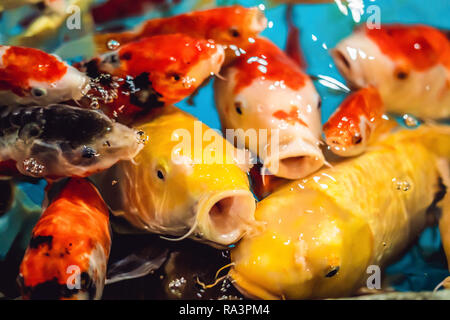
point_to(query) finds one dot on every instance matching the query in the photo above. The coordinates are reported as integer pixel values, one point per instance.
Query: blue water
(322, 26)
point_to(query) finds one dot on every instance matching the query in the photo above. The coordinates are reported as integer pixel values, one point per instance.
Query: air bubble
(113, 44)
(410, 121)
(33, 167)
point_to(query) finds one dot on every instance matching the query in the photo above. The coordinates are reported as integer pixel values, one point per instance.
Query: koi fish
(69, 248)
(322, 232)
(12, 4)
(168, 189)
(266, 90)
(232, 25)
(351, 126)
(31, 76)
(42, 28)
(60, 140)
(153, 72)
(118, 9)
(408, 64)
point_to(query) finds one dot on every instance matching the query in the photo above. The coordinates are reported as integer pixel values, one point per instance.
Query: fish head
(361, 62)
(287, 118)
(234, 25)
(347, 131)
(60, 140)
(173, 188)
(173, 66)
(302, 255)
(31, 76)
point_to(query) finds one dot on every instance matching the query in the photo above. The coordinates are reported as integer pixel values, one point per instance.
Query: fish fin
(135, 265)
(293, 49)
(444, 221)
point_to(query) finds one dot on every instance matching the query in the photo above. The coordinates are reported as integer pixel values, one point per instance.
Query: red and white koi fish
(408, 64)
(59, 141)
(31, 76)
(351, 126)
(265, 89)
(118, 9)
(69, 249)
(232, 25)
(153, 72)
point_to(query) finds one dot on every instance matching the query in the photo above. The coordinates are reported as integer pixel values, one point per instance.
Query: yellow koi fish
(322, 232)
(168, 189)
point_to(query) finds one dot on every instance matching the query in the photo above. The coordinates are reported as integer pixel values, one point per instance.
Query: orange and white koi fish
(232, 25)
(30, 76)
(59, 141)
(266, 90)
(69, 249)
(154, 72)
(351, 126)
(408, 64)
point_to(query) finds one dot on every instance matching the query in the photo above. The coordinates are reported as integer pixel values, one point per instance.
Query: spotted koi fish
(232, 25)
(152, 72)
(69, 249)
(60, 140)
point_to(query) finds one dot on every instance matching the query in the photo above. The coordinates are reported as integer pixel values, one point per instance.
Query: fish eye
(38, 92)
(234, 33)
(332, 272)
(319, 105)
(356, 139)
(160, 175)
(238, 107)
(174, 76)
(401, 75)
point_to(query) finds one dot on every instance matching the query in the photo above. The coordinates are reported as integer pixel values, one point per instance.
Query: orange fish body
(408, 64)
(264, 89)
(262, 184)
(69, 248)
(349, 129)
(232, 25)
(30, 75)
(156, 71)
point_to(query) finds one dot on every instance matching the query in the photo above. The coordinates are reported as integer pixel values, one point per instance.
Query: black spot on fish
(48, 290)
(144, 95)
(74, 125)
(160, 174)
(238, 107)
(126, 56)
(36, 241)
(87, 284)
(333, 272)
(92, 69)
(319, 105)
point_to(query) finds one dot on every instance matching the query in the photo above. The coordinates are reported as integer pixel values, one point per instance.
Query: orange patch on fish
(343, 128)
(264, 60)
(292, 116)
(22, 65)
(419, 47)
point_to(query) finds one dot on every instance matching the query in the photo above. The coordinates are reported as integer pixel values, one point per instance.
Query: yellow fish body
(322, 232)
(182, 192)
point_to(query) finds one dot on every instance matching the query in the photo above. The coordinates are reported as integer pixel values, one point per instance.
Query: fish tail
(68, 252)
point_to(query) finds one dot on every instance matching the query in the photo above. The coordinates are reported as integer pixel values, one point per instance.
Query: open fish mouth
(225, 217)
(295, 160)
